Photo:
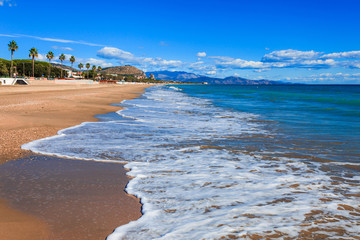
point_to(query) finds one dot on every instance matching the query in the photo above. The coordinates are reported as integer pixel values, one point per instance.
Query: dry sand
(39, 110)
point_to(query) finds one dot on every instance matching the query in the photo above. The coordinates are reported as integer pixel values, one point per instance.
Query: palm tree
(62, 58)
(12, 47)
(50, 56)
(94, 71)
(33, 54)
(80, 66)
(87, 67)
(72, 60)
(99, 69)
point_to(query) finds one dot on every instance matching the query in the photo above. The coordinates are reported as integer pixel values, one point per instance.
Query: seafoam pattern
(194, 185)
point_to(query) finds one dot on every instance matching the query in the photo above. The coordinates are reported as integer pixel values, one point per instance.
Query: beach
(94, 190)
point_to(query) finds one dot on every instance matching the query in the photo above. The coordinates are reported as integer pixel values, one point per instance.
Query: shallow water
(231, 162)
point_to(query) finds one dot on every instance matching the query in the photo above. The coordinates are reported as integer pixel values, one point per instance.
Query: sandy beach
(86, 206)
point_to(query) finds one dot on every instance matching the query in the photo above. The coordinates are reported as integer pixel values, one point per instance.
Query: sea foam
(194, 183)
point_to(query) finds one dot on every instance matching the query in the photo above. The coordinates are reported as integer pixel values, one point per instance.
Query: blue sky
(307, 41)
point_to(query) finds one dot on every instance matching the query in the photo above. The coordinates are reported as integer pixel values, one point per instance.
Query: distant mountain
(174, 76)
(180, 76)
(64, 67)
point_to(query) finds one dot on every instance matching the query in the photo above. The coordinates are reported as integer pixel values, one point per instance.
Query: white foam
(192, 184)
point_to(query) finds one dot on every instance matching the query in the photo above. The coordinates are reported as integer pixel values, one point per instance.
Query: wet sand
(48, 198)
(76, 199)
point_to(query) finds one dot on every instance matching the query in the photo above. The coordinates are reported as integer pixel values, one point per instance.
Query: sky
(307, 41)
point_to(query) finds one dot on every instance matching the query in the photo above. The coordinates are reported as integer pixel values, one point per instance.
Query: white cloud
(350, 54)
(289, 55)
(53, 39)
(329, 78)
(63, 48)
(41, 57)
(201, 67)
(159, 62)
(98, 62)
(228, 62)
(127, 57)
(115, 53)
(201, 54)
(8, 35)
(211, 72)
(10, 3)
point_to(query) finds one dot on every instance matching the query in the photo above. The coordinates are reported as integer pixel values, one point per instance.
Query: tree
(80, 66)
(33, 54)
(62, 58)
(72, 60)
(94, 71)
(87, 67)
(50, 56)
(12, 47)
(99, 68)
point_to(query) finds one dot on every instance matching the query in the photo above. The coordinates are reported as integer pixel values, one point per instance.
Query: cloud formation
(201, 54)
(128, 58)
(291, 59)
(48, 39)
(351, 54)
(63, 48)
(289, 55)
(9, 3)
(326, 78)
(98, 62)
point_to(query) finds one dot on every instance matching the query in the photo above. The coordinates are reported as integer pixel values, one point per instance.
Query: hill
(195, 78)
(64, 67)
(126, 70)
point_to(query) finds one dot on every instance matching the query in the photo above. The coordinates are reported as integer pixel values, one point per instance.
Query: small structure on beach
(13, 81)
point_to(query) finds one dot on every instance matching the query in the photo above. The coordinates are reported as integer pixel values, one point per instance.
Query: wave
(195, 182)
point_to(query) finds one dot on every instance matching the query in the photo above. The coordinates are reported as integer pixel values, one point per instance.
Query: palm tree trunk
(33, 67)
(11, 68)
(49, 69)
(61, 70)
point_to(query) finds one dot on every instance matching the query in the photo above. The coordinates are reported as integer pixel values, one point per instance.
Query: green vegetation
(62, 58)
(12, 47)
(33, 54)
(80, 66)
(50, 56)
(87, 67)
(23, 68)
(4, 69)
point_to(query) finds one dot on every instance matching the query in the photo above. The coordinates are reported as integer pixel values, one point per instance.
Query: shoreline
(40, 110)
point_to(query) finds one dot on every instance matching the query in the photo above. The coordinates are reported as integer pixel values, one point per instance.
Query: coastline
(40, 110)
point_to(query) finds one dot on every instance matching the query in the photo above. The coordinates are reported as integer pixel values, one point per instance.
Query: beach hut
(13, 81)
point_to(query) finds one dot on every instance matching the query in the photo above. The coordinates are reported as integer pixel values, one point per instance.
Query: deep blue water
(323, 118)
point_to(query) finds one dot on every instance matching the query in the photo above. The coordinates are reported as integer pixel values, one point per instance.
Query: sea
(231, 162)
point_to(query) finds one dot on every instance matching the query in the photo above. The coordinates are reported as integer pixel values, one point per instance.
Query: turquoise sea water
(323, 119)
(227, 162)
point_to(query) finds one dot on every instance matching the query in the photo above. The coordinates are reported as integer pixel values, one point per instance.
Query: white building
(13, 81)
